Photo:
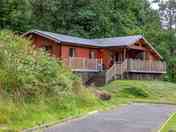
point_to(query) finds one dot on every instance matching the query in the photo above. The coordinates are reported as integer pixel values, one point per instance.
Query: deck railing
(137, 66)
(129, 65)
(83, 64)
(116, 69)
(146, 66)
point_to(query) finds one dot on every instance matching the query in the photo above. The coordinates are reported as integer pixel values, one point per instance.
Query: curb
(74, 118)
(154, 102)
(165, 123)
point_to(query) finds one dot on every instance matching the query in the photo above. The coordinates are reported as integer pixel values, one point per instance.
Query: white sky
(155, 6)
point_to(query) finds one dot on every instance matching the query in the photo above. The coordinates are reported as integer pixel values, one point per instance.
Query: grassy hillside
(36, 88)
(155, 91)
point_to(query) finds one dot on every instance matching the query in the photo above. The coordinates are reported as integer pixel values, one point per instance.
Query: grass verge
(20, 116)
(170, 124)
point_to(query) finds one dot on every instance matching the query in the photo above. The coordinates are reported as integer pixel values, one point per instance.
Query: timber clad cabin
(102, 60)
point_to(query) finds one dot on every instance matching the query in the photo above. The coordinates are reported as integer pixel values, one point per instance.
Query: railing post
(101, 64)
(69, 61)
(127, 61)
(84, 63)
(96, 64)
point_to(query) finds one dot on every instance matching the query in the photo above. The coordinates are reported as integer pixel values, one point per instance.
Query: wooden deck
(84, 65)
(128, 69)
(145, 66)
(128, 65)
(142, 67)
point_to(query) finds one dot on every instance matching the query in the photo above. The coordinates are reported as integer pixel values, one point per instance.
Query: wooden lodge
(102, 60)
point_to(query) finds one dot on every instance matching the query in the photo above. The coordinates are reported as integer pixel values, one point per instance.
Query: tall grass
(35, 87)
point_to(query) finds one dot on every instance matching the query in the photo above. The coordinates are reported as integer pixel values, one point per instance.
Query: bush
(36, 88)
(135, 92)
(26, 73)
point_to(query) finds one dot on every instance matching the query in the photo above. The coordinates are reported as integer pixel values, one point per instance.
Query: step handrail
(116, 69)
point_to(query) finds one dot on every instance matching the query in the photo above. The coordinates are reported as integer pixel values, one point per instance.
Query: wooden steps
(97, 80)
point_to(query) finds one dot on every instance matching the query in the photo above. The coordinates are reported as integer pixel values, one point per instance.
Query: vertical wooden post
(124, 54)
(120, 55)
(101, 64)
(97, 64)
(84, 63)
(69, 61)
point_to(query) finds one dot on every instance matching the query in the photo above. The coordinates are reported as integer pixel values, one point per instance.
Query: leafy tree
(95, 19)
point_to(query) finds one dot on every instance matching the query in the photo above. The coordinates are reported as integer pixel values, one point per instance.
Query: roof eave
(150, 45)
(43, 35)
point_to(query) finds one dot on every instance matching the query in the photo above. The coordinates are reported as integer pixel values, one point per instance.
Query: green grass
(154, 91)
(20, 116)
(36, 88)
(170, 125)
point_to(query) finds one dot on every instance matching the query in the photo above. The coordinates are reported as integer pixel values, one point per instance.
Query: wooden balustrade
(116, 69)
(129, 65)
(146, 66)
(83, 64)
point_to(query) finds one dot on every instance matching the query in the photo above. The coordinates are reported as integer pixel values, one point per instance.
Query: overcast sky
(155, 6)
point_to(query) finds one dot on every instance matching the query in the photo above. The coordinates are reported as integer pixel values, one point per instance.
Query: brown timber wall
(143, 76)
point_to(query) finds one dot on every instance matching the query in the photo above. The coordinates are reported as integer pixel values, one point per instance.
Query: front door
(117, 57)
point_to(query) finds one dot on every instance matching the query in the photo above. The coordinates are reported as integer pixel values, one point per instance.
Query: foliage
(154, 90)
(94, 19)
(170, 125)
(135, 91)
(25, 72)
(33, 82)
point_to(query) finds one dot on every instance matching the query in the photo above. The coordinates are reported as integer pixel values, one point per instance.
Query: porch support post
(124, 54)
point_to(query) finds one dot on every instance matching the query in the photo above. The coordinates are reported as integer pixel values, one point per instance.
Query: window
(92, 54)
(72, 52)
(141, 56)
(48, 48)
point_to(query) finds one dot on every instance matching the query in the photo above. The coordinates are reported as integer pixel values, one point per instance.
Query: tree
(95, 19)
(168, 14)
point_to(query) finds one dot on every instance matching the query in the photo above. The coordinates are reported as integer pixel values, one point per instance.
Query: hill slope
(157, 91)
(36, 88)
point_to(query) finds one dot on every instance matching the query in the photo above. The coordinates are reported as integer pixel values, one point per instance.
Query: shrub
(135, 92)
(26, 73)
(37, 87)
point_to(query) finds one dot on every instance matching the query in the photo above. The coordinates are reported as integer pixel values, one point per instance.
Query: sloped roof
(104, 42)
(101, 43)
(117, 41)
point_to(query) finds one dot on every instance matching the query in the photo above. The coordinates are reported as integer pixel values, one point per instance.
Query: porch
(79, 64)
(128, 65)
(140, 69)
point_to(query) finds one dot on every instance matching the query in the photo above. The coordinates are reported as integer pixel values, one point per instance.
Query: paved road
(131, 118)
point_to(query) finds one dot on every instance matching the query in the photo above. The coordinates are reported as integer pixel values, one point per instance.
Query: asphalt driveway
(130, 118)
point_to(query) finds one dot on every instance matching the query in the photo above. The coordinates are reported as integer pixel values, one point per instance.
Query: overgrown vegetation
(36, 88)
(158, 91)
(95, 19)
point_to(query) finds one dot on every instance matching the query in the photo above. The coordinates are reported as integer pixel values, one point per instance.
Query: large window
(72, 52)
(141, 56)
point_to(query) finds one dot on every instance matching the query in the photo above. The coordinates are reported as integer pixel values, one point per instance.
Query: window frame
(92, 54)
(72, 52)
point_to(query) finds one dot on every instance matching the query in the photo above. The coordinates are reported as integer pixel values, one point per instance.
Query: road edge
(165, 123)
(73, 118)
